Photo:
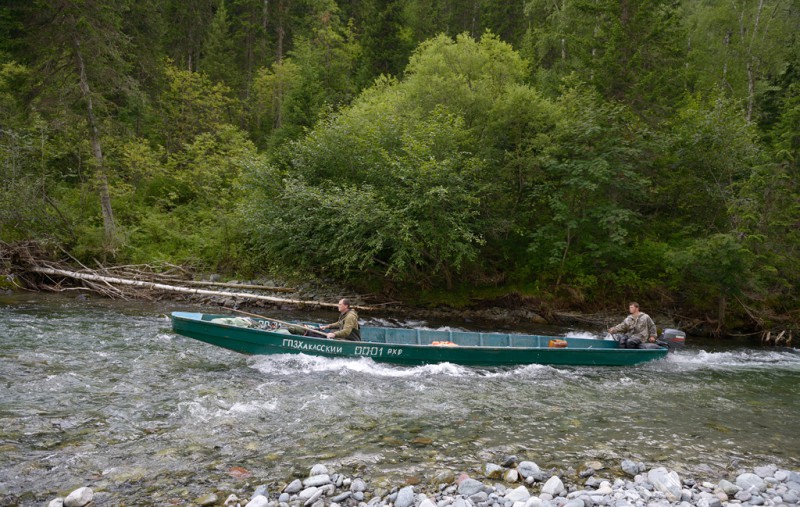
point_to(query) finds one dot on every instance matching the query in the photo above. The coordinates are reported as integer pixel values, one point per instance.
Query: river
(101, 393)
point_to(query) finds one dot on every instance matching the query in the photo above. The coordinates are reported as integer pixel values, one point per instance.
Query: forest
(581, 153)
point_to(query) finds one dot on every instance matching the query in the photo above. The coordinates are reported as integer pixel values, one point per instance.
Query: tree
(272, 91)
(714, 268)
(584, 205)
(326, 60)
(712, 149)
(386, 41)
(218, 60)
(191, 105)
(187, 24)
(85, 56)
(631, 51)
(737, 45)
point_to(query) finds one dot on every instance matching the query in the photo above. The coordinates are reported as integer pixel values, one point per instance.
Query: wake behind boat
(261, 336)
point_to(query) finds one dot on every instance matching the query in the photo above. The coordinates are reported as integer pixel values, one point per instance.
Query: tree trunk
(752, 64)
(109, 226)
(281, 33)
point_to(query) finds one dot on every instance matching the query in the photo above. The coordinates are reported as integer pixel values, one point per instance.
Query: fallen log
(174, 288)
(241, 286)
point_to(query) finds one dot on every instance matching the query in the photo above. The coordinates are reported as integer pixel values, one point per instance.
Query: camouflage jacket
(641, 327)
(348, 326)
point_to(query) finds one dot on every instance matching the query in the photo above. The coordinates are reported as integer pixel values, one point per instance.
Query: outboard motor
(673, 339)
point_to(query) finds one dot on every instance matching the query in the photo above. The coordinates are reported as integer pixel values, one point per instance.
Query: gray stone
(358, 485)
(469, 487)
(743, 496)
(479, 497)
(493, 471)
(56, 502)
(307, 493)
(553, 487)
(790, 497)
(232, 500)
(632, 468)
(728, 487)
(511, 475)
(79, 497)
(575, 503)
(293, 487)
(318, 470)
(284, 498)
(765, 471)
(427, 503)
(667, 482)
(751, 482)
(528, 469)
(405, 497)
(757, 500)
(520, 494)
(460, 502)
(258, 501)
(341, 497)
(708, 500)
(317, 480)
(358, 496)
(604, 489)
(315, 497)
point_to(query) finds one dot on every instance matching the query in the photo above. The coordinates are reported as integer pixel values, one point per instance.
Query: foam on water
(290, 364)
(750, 358)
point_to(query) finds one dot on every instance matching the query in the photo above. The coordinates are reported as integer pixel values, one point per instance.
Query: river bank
(28, 266)
(510, 484)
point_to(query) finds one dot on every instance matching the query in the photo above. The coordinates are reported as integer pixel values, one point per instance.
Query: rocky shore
(510, 484)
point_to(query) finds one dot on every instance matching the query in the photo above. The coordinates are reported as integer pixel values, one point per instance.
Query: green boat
(409, 346)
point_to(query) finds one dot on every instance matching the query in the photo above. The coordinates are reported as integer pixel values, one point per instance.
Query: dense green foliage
(589, 151)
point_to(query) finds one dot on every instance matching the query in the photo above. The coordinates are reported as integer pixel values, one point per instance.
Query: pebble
(658, 487)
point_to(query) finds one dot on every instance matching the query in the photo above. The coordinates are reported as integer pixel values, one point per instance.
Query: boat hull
(392, 345)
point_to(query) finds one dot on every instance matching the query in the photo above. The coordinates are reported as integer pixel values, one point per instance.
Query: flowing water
(103, 394)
